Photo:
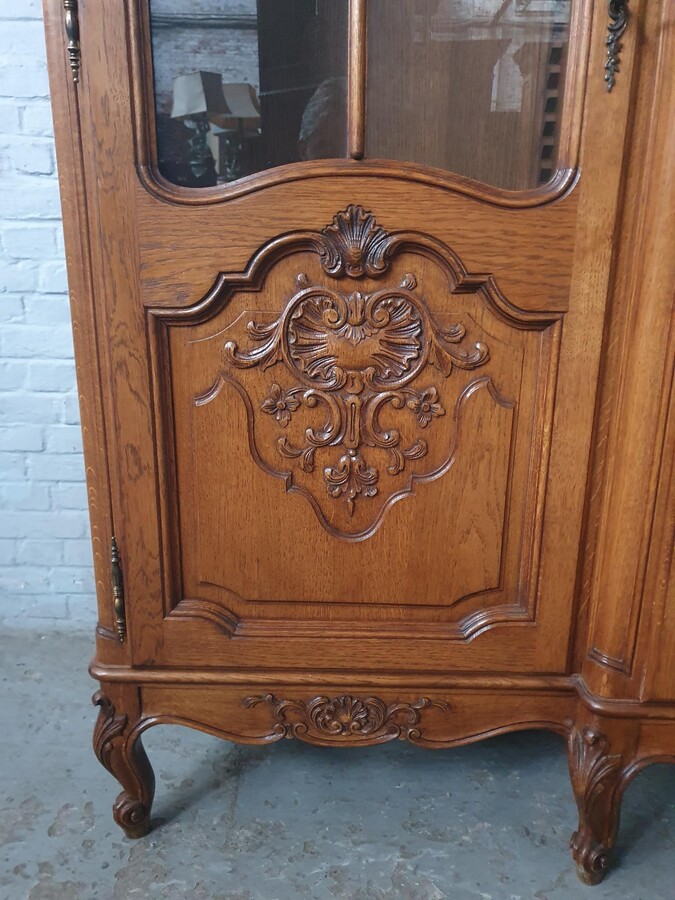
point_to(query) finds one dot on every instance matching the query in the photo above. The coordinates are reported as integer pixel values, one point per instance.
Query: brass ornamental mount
(618, 20)
(72, 24)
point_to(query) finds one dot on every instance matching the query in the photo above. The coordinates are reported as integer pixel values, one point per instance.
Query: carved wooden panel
(357, 357)
(346, 719)
(404, 402)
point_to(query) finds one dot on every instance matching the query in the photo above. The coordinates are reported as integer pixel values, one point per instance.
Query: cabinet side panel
(659, 660)
(622, 524)
(67, 128)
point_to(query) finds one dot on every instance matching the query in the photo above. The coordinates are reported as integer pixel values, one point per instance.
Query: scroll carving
(109, 725)
(595, 777)
(118, 748)
(354, 354)
(346, 719)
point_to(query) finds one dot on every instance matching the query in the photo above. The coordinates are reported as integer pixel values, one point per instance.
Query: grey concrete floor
(489, 822)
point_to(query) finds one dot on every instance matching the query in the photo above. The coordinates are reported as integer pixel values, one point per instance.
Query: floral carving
(354, 354)
(280, 404)
(425, 405)
(351, 476)
(326, 720)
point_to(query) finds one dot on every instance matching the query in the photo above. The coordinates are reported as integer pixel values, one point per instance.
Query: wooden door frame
(617, 718)
(112, 218)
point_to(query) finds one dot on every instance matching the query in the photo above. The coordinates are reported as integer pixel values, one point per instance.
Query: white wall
(46, 575)
(45, 555)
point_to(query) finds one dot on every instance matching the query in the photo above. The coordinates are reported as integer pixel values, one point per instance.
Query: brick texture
(46, 575)
(45, 558)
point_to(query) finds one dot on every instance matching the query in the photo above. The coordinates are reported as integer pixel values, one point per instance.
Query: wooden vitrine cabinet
(372, 310)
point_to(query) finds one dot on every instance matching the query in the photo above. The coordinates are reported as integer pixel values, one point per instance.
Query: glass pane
(470, 86)
(241, 86)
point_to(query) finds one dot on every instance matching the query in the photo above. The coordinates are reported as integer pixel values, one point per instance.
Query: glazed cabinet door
(347, 273)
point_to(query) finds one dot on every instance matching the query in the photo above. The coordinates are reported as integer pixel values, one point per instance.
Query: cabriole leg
(118, 746)
(600, 754)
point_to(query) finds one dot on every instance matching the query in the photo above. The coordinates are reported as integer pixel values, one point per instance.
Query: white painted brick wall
(45, 556)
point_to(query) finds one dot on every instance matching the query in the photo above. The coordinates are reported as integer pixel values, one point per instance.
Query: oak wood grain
(76, 224)
(404, 478)
(629, 518)
(356, 79)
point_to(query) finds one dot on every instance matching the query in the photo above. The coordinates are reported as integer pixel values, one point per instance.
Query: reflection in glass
(470, 86)
(242, 86)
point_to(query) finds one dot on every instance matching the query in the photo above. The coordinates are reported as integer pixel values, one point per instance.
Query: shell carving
(355, 245)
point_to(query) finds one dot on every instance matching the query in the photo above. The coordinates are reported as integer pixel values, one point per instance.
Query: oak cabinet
(371, 304)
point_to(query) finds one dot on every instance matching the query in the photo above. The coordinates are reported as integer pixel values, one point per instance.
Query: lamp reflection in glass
(221, 118)
(195, 98)
(236, 130)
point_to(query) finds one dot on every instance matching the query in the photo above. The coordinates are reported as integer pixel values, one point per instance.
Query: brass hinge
(118, 590)
(72, 23)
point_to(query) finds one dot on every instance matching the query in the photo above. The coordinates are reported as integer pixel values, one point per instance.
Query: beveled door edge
(79, 227)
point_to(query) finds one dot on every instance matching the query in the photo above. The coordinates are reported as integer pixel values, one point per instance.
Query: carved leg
(119, 749)
(598, 764)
